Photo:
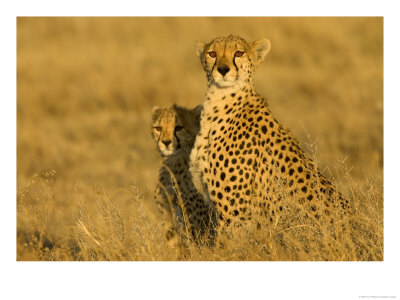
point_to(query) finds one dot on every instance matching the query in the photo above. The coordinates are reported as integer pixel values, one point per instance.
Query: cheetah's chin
(165, 152)
(225, 83)
(170, 152)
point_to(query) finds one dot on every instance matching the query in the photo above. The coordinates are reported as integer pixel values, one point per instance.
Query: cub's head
(231, 60)
(175, 128)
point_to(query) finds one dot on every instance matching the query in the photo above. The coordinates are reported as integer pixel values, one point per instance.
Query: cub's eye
(178, 128)
(239, 53)
(157, 128)
(212, 54)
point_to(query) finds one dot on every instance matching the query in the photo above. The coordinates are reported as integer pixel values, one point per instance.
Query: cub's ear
(200, 46)
(260, 49)
(179, 109)
(198, 109)
(155, 111)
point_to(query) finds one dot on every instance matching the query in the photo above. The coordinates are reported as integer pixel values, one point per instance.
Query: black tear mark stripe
(177, 139)
(179, 144)
(158, 140)
(215, 62)
(234, 63)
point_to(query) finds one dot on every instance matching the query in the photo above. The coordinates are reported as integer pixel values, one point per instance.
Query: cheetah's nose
(223, 69)
(166, 143)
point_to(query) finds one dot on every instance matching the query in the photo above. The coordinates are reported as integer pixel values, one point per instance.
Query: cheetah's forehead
(229, 43)
(166, 116)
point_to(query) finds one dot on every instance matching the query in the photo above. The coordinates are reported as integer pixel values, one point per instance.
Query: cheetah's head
(175, 128)
(231, 60)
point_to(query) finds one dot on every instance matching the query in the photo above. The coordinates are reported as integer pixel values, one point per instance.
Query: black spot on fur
(264, 129)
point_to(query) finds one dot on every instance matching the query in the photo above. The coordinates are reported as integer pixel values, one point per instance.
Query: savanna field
(87, 166)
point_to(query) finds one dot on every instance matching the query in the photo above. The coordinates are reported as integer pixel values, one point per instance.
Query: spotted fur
(243, 160)
(182, 208)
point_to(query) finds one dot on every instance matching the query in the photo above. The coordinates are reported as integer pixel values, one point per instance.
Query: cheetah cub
(182, 208)
(243, 160)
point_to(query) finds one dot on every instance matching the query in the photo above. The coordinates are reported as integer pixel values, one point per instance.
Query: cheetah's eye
(157, 128)
(239, 53)
(178, 128)
(212, 54)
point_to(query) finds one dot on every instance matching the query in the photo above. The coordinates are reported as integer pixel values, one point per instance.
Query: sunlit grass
(85, 89)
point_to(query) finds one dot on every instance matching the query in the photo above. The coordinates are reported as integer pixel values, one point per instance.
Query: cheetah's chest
(232, 151)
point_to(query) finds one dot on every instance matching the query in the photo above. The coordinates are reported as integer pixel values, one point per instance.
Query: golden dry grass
(87, 166)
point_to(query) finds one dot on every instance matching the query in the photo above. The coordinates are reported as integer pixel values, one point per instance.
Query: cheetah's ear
(200, 46)
(155, 111)
(177, 107)
(197, 110)
(261, 48)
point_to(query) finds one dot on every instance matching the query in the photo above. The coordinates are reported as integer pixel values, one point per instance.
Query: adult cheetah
(182, 208)
(243, 160)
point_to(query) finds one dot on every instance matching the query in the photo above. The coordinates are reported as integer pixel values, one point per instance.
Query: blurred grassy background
(86, 86)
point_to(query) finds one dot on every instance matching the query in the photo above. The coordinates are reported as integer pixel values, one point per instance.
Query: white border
(247, 280)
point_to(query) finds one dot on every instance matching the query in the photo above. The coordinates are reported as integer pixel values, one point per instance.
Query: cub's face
(230, 60)
(175, 128)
